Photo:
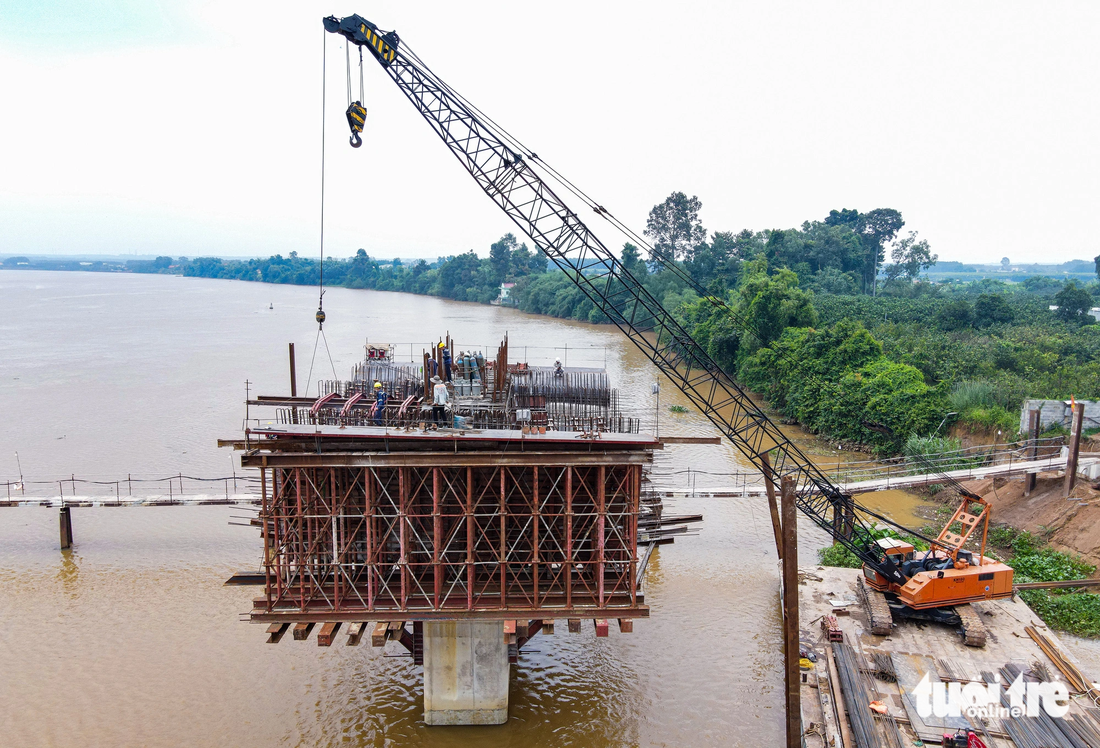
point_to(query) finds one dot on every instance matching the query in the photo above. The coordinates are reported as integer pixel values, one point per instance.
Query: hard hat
(557, 360)
(377, 385)
(442, 345)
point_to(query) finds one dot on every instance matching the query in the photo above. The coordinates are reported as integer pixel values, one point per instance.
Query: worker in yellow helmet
(380, 397)
(446, 362)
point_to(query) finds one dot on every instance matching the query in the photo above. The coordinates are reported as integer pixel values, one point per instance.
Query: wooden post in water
(293, 374)
(1074, 448)
(66, 529)
(790, 614)
(773, 506)
(1033, 448)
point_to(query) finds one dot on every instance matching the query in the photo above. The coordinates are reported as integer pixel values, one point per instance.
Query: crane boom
(507, 176)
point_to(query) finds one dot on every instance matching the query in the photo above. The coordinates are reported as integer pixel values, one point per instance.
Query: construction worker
(558, 371)
(446, 362)
(380, 397)
(440, 398)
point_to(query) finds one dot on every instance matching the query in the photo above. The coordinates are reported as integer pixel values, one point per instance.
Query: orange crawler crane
(946, 574)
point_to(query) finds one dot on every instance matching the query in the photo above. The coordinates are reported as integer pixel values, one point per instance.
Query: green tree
(833, 281)
(1074, 303)
(771, 304)
(877, 228)
(674, 228)
(715, 264)
(500, 257)
(1097, 261)
(912, 255)
(992, 309)
(633, 262)
(956, 315)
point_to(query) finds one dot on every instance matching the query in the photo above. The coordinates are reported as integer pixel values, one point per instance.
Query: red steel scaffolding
(424, 535)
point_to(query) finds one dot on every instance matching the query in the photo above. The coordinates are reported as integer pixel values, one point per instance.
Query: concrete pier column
(465, 673)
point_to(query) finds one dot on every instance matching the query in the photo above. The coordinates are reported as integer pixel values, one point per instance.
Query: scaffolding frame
(450, 535)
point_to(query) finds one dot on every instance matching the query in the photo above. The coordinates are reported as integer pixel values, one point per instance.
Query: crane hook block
(320, 316)
(357, 115)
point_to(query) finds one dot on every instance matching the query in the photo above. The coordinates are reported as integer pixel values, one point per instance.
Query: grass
(981, 405)
(928, 453)
(967, 395)
(677, 409)
(1033, 561)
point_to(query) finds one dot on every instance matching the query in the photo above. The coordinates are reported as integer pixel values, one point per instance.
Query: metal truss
(415, 542)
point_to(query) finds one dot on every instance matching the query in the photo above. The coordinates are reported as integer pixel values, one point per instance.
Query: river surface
(130, 639)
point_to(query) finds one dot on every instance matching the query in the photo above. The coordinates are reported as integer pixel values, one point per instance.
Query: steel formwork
(394, 541)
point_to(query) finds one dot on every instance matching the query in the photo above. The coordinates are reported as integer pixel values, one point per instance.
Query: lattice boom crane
(932, 582)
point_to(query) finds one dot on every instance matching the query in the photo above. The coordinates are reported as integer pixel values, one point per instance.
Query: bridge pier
(465, 673)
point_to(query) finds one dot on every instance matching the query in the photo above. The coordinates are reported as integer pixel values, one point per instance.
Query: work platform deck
(915, 649)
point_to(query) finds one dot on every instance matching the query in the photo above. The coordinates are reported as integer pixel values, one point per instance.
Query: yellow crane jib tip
(363, 33)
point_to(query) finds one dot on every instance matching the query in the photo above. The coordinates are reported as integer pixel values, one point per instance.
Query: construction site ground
(825, 591)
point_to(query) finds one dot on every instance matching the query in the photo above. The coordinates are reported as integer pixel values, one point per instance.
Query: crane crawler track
(973, 629)
(877, 609)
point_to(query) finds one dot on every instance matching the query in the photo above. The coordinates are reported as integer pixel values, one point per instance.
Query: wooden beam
(601, 627)
(1033, 449)
(355, 633)
(301, 631)
(275, 632)
(574, 625)
(378, 636)
(773, 507)
(1074, 448)
(548, 625)
(790, 614)
(327, 634)
(626, 625)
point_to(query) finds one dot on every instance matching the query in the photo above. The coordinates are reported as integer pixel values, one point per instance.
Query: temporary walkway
(751, 484)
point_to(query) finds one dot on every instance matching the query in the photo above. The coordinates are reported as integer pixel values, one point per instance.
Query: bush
(1047, 565)
(971, 394)
(939, 452)
(838, 555)
(1076, 612)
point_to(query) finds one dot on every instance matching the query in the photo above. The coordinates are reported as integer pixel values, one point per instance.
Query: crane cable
(320, 315)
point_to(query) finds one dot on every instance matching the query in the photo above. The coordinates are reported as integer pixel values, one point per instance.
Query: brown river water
(130, 639)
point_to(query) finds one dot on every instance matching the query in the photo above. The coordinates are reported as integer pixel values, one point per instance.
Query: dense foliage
(836, 338)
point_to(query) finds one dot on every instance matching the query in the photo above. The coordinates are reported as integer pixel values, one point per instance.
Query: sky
(193, 128)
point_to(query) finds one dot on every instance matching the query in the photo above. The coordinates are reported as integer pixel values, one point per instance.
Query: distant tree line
(831, 333)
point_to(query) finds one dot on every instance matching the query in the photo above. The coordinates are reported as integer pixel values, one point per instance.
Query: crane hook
(357, 115)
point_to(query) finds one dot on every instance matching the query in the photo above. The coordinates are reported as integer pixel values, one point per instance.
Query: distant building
(505, 298)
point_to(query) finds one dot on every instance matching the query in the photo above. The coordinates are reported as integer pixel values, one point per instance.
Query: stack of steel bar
(858, 694)
(1074, 677)
(1040, 730)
